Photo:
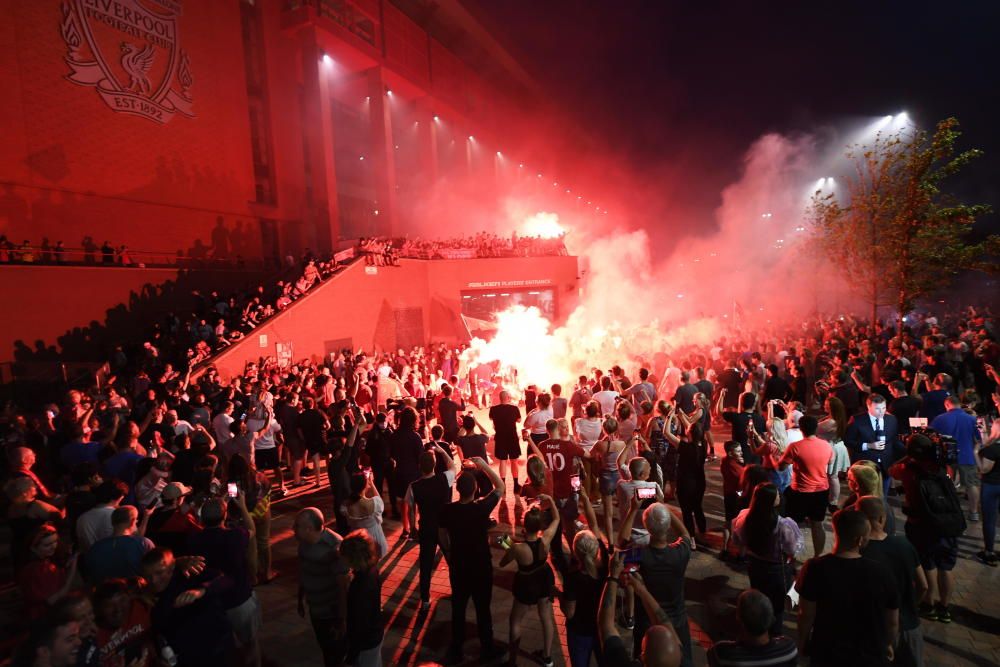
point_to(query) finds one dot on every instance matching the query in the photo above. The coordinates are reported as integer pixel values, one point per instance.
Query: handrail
(31, 255)
(206, 362)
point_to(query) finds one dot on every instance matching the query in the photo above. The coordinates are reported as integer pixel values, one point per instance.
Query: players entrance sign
(129, 51)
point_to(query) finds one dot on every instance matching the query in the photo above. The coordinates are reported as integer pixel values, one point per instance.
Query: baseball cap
(175, 490)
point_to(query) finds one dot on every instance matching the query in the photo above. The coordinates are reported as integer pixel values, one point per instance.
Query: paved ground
(413, 638)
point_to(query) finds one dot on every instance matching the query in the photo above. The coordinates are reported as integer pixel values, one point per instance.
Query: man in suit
(874, 436)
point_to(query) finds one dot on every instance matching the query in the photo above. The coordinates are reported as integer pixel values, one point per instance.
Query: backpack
(940, 507)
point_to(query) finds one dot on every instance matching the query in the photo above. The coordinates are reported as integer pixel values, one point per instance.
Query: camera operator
(961, 426)
(934, 517)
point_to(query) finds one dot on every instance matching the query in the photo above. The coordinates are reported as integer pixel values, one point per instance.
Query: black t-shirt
(705, 387)
(691, 456)
(663, 572)
(468, 526)
(684, 397)
(430, 495)
(405, 448)
(225, 550)
(473, 445)
(288, 417)
(731, 380)
(739, 420)
(505, 418)
(586, 593)
(898, 554)
(311, 423)
(775, 387)
(449, 409)
(992, 453)
(364, 623)
(441, 461)
(902, 409)
(377, 445)
(851, 596)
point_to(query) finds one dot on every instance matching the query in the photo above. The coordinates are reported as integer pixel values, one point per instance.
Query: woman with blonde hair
(865, 479)
(606, 457)
(582, 587)
(770, 446)
(582, 597)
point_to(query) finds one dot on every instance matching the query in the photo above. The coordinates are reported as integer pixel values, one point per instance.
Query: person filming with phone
(534, 582)
(560, 458)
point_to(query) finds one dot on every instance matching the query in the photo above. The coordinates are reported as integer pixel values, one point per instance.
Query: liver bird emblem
(137, 64)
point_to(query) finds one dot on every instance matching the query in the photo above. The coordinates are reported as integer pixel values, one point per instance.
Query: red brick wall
(72, 166)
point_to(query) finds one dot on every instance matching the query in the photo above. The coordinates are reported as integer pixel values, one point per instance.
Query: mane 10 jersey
(559, 455)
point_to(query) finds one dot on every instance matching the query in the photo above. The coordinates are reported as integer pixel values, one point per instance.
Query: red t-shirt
(558, 455)
(39, 580)
(120, 647)
(732, 471)
(810, 458)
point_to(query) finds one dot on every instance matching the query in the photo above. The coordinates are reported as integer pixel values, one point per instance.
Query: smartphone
(367, 472)
(232, 489)
(645, 492)
(574, 482)
(630, 557)
(243, 417)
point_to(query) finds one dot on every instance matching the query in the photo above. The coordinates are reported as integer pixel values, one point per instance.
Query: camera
(928, 446)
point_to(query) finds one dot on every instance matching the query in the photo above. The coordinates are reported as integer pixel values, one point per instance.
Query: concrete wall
(373, 311)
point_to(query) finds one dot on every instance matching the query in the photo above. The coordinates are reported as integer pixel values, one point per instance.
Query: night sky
(684, 88)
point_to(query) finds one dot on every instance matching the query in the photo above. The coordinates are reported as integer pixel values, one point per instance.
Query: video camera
(929, 446)
(397, 404)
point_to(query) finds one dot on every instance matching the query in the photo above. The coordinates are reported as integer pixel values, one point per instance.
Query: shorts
(968, 475)
(267, 459)
(806, 505)
(317, 448)
(295, 446)
(507, 451)
(609, 483)
(732, 505)
(935, 553)
(539, 438)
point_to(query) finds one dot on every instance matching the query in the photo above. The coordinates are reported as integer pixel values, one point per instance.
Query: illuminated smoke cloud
(757, 267)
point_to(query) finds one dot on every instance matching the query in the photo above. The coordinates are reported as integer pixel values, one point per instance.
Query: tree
(897, 234)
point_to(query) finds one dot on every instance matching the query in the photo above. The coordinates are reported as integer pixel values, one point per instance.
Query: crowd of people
(140, 512)
(386, 252)
(57, 253)
(214, 321)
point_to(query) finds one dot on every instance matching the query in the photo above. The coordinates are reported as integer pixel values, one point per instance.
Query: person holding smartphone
(606, 457)
(558, 456)
(534, 581)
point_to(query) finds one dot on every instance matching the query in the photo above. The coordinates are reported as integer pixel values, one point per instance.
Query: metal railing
(32, 255)
(342, 12)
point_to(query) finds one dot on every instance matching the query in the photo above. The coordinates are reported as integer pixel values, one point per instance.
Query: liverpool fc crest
(129, 51)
